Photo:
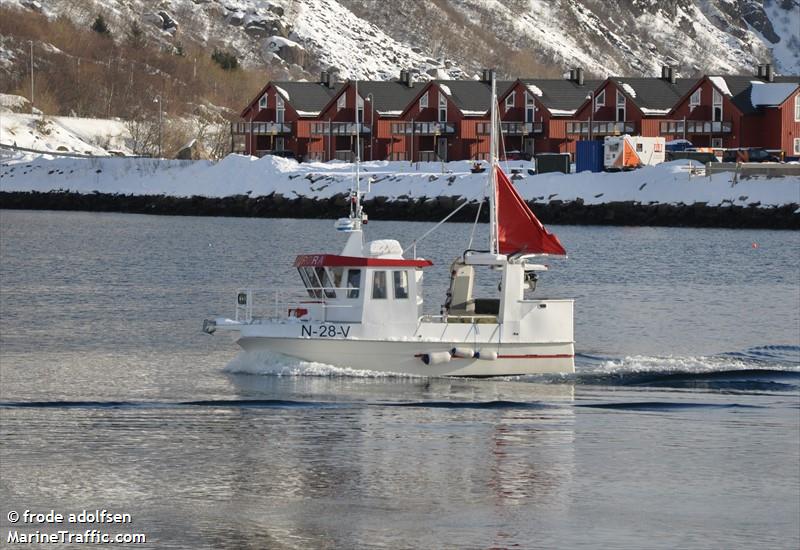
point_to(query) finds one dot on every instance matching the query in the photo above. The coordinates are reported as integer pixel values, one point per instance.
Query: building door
(717, 107)
(441, 149)
(279, 144)
(529, 148)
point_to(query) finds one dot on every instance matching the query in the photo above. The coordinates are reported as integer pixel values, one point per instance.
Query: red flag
(518, 229)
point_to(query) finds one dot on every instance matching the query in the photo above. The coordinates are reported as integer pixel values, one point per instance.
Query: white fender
(436, 357)
(467, 353)
(486, 355)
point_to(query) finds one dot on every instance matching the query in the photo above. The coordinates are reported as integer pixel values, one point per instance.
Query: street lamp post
(160, 118)
(31, 41)
(590, 97)
(371, 125)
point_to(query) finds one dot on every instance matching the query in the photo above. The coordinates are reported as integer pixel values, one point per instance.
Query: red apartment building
(449, 119)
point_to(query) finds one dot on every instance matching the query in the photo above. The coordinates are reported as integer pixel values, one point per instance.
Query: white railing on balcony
(696, 127)
(423, 128)
(339, 128)
(261, 128)
(601, 128)
(511, 128)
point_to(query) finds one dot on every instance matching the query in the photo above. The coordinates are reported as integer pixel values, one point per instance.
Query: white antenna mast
(493, 237)
(358, 161)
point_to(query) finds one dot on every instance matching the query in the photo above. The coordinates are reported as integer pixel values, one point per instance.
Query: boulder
(32, 5)
(154, 19)
(235, 18)
(168, 22)
(193, 150)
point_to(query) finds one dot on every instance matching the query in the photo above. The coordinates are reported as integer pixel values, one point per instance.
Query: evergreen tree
(99, 26)
(225, 60)
(136, 36)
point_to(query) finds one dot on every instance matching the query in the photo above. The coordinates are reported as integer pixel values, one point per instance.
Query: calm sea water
(679, 430)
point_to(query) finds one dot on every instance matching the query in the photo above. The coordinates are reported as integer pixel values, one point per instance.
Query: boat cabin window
(353, 282)
(327, 285)
(336, 274)
(400, 285)
(310, 281)
(379, 285)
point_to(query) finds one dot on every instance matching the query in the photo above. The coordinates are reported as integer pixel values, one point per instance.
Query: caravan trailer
(629, 152)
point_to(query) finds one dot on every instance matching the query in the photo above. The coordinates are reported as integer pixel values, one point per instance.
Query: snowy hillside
(669, 183)
(374, 38)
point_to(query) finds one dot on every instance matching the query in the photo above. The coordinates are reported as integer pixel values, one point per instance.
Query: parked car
(678, 145)
(749, 154)
(518, 155)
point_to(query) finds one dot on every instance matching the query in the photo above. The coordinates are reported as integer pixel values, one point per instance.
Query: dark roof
(308, 97)
(655, 93)
(391, 96)
(739, 86)
(473, 95)
(562, 94)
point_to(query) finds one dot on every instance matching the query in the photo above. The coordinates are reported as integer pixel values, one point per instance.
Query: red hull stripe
(333, 260)
(529, 356)
(534, 356)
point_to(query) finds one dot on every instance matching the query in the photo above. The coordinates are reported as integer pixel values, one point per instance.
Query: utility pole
(31, 41)
(160, 117)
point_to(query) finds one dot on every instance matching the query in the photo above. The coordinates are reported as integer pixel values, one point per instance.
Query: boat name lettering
(325, 331)
(311, 260)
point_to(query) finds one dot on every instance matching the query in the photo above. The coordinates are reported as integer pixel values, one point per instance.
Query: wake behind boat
(363, 308)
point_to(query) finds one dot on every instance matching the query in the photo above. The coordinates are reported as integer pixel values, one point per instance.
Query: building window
(716, 143)
(262, 103)
(530, 108)
(620, 107)
(400, 285)
(353, 282)
(360, 110)
(694, 100)
(510, 99)
(280, 109)
(442, 108)
(379, 285)
(342, 102)
(796, 110)
(717, 109)
(797, 147)
(600, 99)
(423, 101)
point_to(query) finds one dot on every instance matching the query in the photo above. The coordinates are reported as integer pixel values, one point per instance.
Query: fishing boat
(363, 308)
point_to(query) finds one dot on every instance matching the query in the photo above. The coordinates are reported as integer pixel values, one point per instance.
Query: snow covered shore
(670, 183)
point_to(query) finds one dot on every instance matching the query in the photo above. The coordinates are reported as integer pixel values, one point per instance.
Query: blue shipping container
(589, 156)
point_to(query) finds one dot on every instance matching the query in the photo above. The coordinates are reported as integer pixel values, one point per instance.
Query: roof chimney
(579, 76)
(486, 75)
(769, 74)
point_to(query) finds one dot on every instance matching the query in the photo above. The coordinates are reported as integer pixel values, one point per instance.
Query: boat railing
(288, 302)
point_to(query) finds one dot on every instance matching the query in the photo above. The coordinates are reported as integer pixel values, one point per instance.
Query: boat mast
(355, 206)
(493, 237)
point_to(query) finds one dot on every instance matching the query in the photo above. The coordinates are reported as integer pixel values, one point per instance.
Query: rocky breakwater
(275, 205)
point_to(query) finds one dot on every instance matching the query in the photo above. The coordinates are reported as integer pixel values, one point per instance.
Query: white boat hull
(406, 357)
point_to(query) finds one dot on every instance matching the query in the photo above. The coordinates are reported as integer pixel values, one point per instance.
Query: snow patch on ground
(670, 183)
(86, 136)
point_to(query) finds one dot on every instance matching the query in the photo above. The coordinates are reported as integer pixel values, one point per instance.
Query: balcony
(602, 128)
(338, 128)
(423, 128)
(261, 128)
(511, 128)
(695, 127)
